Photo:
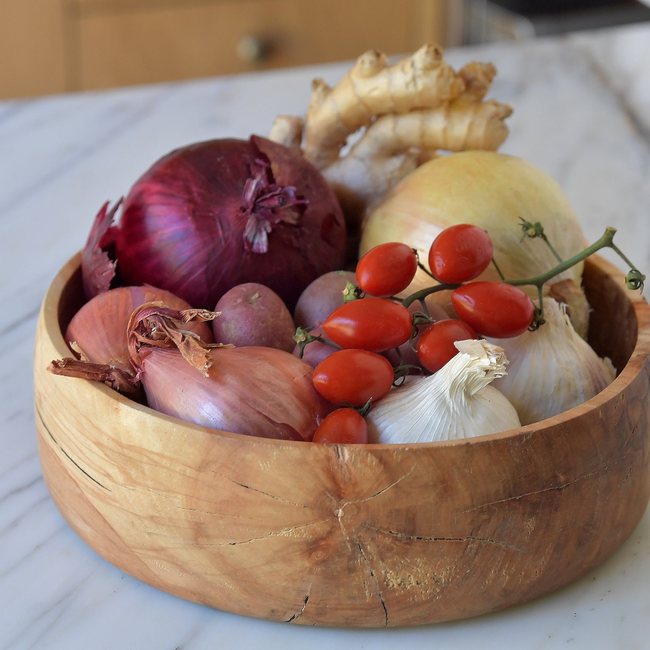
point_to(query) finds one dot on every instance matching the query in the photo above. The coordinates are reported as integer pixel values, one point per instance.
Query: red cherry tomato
(353, 377)
(460, 253)
(342, 426)
(387, 269)
(372, 324)
(436, 346)
(493, 308)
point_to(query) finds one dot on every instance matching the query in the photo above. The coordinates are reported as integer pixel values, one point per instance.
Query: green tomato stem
(605, 241)
(423, 293)
(634, 279)
(499, 271)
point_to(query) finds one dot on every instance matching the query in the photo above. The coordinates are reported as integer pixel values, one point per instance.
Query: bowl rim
(634, 365)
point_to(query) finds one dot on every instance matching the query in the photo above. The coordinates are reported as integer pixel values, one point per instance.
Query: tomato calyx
(352, 292)
(303, 337)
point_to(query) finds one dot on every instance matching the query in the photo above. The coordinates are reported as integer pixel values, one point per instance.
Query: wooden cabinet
(64, 45)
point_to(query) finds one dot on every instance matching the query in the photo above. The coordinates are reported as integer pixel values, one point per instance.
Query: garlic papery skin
(456, 402)
(552, 369)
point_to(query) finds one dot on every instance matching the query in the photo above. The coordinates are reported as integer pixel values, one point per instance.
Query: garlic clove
(552, 369)
(456, 402)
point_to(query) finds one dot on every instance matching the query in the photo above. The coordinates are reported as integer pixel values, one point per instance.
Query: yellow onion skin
(100, 327)
(490, 190)
(252, 391)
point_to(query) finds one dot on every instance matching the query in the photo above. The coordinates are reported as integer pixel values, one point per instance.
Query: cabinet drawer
(140, 42)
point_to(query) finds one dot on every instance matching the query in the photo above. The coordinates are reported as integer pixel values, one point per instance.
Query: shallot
(254, 391)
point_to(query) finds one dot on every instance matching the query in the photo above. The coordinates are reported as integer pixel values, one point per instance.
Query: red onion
(250, 390)
(216, 214)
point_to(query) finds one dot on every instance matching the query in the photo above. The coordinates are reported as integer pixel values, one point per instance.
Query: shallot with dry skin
(250, 390)
(98, 334)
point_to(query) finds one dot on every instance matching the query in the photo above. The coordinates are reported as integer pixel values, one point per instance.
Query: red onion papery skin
(100, 327)
(97, 267)
(184, 222)
(252, 391)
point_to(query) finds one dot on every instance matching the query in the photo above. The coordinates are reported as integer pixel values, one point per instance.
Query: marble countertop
(582, 113)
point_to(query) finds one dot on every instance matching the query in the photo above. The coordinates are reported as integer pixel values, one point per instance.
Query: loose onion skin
(194, 226)
(99, 328)
(254, 391)
(99, 334)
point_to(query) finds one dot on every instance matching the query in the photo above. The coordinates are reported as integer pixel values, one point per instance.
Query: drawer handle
(252, 49)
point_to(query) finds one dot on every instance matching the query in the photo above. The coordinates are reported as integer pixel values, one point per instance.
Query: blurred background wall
(53, 46)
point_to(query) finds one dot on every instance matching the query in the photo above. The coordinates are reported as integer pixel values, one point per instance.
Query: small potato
(321, 298)
(253, 314)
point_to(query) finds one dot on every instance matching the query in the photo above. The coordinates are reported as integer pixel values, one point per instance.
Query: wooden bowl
(375, 535)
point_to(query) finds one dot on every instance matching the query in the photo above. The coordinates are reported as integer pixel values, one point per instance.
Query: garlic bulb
(456, 402)
(552, 369)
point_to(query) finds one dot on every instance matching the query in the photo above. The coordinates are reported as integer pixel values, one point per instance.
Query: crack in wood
(385, 489)
(466, 538)
(339, 515)
(302, 609)
(173, 497)
(66, 454)
(551, 488)
(634, 430)
(284, 532)
(374, 577)
(267, 494)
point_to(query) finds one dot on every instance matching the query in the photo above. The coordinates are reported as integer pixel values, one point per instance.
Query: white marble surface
(582, 113)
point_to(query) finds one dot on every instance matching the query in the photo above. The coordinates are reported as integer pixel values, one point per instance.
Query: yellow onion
(493, 191)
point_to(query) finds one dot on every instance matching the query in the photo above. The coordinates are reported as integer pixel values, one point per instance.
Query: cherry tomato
(460, 253)
(387, 269)
(372, 324)
(436, 345)
(493, 308)
(353, 377)
(343, 426)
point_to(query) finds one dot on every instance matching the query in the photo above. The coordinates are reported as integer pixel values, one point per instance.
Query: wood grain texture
(376, 535)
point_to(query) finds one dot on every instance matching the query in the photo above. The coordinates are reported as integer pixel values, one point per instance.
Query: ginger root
(407, 111)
